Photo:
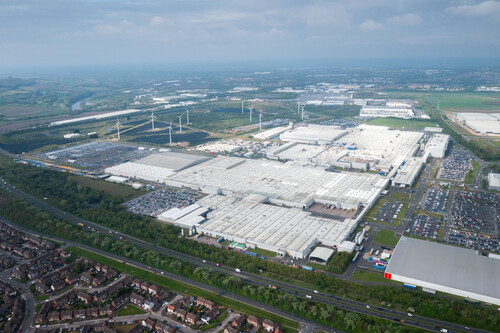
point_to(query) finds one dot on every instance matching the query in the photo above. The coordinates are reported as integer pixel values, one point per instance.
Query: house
(278, 329)
(154, 289)
(105, 311)
(209, 315)
(230, 329)
(93, 312)
(172, 308)
(67, 315)
(72, 279)
(145, 286)
(18, 275)
(39, 318)
(53, 316)
(84, 297)
(86, 278)
(150, 323)
(269, 325)
(136, 283)
(200, 301)
(98, 280)
(58, 286)
(120, 301)
(254, 321)
(192, 318)
(148, 305)
(181, 313)
(187, 301)
(80, 314)
(41, 288)
(136, 299)
(238, 321)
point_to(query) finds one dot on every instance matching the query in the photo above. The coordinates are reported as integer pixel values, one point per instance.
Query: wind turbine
(180, 123)
(251, 109)
(298, 107)
(170, 132)
(260, 120)
(118, 125)
(241, 106)
(187, 117)
(438, 105)
(153, 120)
(302, 106)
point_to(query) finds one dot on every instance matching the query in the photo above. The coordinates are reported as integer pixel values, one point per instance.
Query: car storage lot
(389, 212)
(424, 226)
(155, 203)
(455, 166)
(435, 200)
(475, 212)
(473, 240)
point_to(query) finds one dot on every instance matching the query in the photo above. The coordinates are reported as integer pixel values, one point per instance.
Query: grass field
(174, 285)
(42, 297)
(264, 253)
(367, 276)
(471, 175)
(386, 237)
(401, 123)
(401, 196)
(125, 191)
(469, 102)
(129, 310)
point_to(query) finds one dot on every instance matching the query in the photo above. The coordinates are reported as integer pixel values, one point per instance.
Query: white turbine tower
(153, 120)
(298, 107)
(302, 106)
(180, 123)
(260, 120)
(187, 117)
(251, 110)
(170, 132)
(118, 125)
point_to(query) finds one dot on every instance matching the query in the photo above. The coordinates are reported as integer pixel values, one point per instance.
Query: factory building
(156, 167)
(437, 145)
(494, 181)
(283, 184)
(390, 109)
(286, 231)
(445, 268)
(314, 134)
(481, 123)
(407, 173)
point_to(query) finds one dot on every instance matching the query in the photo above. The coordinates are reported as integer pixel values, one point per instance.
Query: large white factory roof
(407, 174)
(283, 184)
(271, 227)
(391, 109)
(494, 181)
(270, 133)
(96, 117)
(313, 134)
(156, 167)
(481, 122)
(446, 268)
(379, 146)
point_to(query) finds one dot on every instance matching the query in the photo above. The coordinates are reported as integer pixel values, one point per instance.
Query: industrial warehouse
(445, 268)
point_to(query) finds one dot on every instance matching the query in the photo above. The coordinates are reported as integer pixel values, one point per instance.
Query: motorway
(344, 303)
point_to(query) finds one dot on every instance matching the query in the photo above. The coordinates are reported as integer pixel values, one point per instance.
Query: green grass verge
(402, 123)
(401, 196)
(216, 322)
(125, 191)
(264, 253)
(471, 175)
(130, 310)
(386, 237)
(367, 276)
(174, 285)
(42, 297)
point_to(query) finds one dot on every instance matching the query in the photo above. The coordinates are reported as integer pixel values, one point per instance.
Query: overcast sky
(84, 32)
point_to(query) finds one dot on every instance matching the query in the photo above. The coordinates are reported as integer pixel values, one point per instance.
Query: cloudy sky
(97, 32)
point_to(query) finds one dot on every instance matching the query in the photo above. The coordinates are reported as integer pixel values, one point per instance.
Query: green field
(386, 237)
(130, 310)
(401, 123)
(470, 102)
(368, 276)
(125, 191)
(264, 253)
(174, 285)
(401, 196)
(471, 175)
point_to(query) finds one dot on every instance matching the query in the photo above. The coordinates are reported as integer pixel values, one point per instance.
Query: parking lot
(389, 212)
(475, 212)
(435, 200)
(473, 240)
(455, 166)
(155, 203)
(95, 155)
(424, 226)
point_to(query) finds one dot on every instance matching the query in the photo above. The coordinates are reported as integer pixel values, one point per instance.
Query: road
(344, 303)
(26, 294)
